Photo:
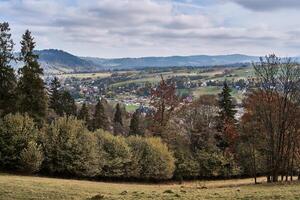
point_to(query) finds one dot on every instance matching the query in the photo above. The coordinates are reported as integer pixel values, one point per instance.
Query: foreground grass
(23, 187)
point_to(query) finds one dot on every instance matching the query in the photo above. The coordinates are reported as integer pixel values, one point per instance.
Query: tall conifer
(100, 120)
(31, 90)
(7, 75)
(118, 115)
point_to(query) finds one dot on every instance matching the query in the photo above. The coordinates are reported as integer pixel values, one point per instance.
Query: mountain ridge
(59, 61)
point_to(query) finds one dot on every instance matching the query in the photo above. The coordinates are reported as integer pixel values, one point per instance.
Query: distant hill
(172, 61)
(57, 61)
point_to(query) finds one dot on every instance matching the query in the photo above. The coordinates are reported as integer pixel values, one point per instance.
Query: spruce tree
(118, 115)
(226, 105)
(135, 124)
(84, 113)
(225, 119)
(55, 96)
(68, 104)
(7, 75)
(100, 120)
(31, 90)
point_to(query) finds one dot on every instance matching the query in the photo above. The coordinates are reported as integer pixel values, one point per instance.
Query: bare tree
(278, 108)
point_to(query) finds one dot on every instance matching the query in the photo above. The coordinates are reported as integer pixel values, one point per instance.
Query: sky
(137, 28)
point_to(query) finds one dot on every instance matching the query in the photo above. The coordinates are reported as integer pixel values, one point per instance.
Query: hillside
(52, 60)
(26, 187)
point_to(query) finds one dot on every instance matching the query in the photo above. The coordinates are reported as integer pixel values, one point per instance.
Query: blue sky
(134, 28)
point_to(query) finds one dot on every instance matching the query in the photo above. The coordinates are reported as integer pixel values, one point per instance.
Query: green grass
(131, 107)
(25, 187)
(207, 90)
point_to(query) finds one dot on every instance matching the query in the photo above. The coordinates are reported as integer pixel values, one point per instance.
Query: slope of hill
(26, 187)
(58, 60)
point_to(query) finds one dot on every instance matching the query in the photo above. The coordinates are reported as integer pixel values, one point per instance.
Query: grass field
(86, 75)
(25, 187)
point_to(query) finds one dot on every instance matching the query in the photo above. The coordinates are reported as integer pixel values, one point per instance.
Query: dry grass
(25, 187)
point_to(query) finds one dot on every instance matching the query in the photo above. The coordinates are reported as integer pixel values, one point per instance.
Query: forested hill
(54, 61)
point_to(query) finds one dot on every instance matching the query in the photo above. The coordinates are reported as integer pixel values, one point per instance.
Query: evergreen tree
(100, 120)
(118, 115)
(225, 121)
(55, 97)
(84, 113)
(135, 124)
(68, 104)
(31, 91)
(7, 75)
(226, 105)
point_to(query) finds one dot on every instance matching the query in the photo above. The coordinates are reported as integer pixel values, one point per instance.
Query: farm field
(26, 187)
(86, 75)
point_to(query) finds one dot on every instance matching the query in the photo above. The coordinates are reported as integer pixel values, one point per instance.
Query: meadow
(28, 187)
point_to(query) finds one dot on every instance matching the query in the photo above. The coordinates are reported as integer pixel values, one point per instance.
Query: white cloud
(119, 28)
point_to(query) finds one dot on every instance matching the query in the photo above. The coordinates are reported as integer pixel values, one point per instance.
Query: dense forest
(43, 130)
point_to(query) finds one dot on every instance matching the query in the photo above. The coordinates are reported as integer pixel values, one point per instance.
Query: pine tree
(135, 124)
(226, 106)
(7, 75)
(31, 91)
(84, 113)
(100, 120)
(225, 120)
(68, 104)
(55, 96)
(118, 115)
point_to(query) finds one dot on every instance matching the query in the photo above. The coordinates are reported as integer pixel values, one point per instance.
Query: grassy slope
(22, 187)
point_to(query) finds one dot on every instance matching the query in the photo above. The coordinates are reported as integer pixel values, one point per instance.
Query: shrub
(17, 132)
(186, 165)
(31, 158)
(116, 154)
(137, 145)
(215, 164)
(70, 149)
(151, 158)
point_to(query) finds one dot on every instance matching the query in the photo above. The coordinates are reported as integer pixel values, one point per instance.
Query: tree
(100, 120)
(118, 115)
(68, 104)
(117, 154)
(164, 100)
(55, 96)
(70, 149)
(151, 158)
(227, 108)
(226, 122)
(31, 91)
(84, 113)
(17, 134)
(7, 75)
(135, 124)
(277, 108)
(32, 158)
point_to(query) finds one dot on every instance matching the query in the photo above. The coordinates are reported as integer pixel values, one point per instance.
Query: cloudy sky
(134, 28)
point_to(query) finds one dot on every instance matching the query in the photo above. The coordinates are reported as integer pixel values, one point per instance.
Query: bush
(116, 154)
(186, 165)
(70, 149)
(215, 164)
(17, 133)
(31, 158)
(151, 159)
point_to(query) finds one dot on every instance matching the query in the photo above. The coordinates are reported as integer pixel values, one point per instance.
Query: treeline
(44, 131)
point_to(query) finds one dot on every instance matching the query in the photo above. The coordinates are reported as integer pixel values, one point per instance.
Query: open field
(25, 187)
(86, 75)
